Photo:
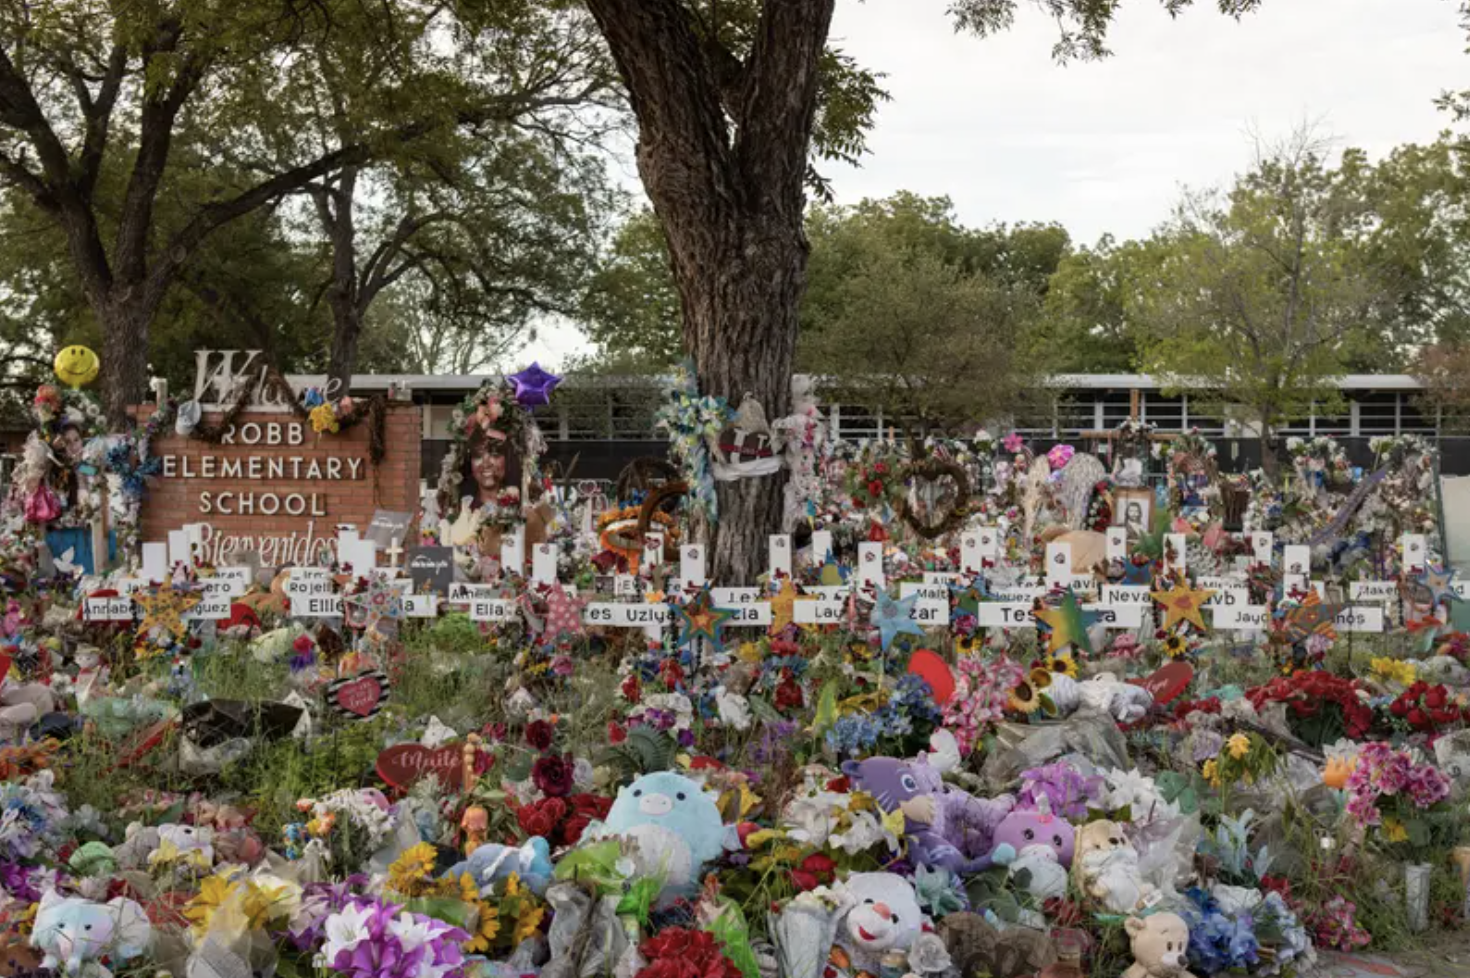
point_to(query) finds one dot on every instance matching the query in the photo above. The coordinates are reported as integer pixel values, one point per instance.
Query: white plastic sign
(870, 565)
(780, 550)
(691, 565)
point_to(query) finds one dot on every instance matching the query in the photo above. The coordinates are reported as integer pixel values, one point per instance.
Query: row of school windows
(628, 413)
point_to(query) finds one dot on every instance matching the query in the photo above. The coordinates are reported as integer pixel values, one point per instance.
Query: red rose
(593, 806)
(632, 691)
(539, 734)
(570, 831)
(553, 775)
(1398, 707)
(875, 488)
(1435, 697)
(815, 870)
(671, 673)
(1417, 718)
(788, 694)
(541, 818)
(616, 734)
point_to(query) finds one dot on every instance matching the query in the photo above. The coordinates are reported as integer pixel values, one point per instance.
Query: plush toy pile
(853, 785)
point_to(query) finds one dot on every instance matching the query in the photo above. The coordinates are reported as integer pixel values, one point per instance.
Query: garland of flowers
(692, 421)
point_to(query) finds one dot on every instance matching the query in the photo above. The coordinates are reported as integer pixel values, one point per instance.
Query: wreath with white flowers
(47, 490)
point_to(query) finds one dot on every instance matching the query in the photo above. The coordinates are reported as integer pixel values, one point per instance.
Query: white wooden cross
(394, 552)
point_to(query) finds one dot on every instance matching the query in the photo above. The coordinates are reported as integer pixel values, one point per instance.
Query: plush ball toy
(884, 916)
(75, 933)
(1041, 845)
(944, 826)
(1159, 942)
(674, 824)
(1106, 867)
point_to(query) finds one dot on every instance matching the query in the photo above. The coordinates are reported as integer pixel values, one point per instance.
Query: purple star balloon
(534, 386)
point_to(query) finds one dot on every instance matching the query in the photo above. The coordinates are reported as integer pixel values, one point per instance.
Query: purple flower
(1067, 793)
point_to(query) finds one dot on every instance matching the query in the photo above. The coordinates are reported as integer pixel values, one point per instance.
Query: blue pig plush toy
(674, 826)
(76, 933)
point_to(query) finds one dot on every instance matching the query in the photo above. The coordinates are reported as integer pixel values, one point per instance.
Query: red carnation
(616, 732)
(542, 817)
(632, 690)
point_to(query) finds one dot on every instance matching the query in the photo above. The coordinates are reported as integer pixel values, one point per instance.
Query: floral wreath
(45, 470)
(493, 410)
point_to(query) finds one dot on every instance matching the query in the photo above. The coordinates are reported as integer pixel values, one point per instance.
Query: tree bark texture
(722, 150)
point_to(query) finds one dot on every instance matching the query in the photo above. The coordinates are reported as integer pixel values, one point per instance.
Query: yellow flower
(1239, 745)
(324, 418)
(486, 931)
(1394, 831)
(1025, 698)
(269, 898)
(513, 887)
(1394, 670)
(750, 652)
(1175, 645)
(969, 644)
(213, 891)
(527, 924)
(468, 891)
(1211, 771)
(411, 871)
(1063, 664)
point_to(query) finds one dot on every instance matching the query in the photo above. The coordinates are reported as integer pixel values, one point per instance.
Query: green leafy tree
(1085, 326)
(1262, 294)
(727, 112)
(631, 307)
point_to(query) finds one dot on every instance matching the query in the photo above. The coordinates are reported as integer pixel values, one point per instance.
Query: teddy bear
(75, 934)
(1159, 943)
(883, 916)
(1106, 868)
(944, 825)
(674, 826)
(491, 863)
(1040, 844)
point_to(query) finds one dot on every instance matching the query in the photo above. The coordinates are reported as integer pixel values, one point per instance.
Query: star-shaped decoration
(1065, 625)
(699, 618)
(1183, 603)
(375, 604)
(783, 606)
(534, 385)
(1310, 617)
(891, 616)
(1138, 574)
(965, 596)
(1438, 585)
(164, 610)
(563, 614)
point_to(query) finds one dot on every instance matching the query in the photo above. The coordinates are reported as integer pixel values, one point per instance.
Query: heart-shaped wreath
(933, 525)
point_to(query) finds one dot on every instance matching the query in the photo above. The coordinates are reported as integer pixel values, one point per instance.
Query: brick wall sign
(275, 486)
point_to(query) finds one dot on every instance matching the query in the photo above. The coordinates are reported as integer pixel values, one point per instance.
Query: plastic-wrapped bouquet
(1404, 800)
(374, 939)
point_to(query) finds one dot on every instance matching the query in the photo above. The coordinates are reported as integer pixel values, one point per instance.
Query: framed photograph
(1133, 510)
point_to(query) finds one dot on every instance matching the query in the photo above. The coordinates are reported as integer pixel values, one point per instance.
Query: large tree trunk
(722, 149)
(740, 326)
(124, 322)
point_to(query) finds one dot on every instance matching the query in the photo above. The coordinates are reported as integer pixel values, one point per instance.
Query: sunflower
(1063, 664)
(969, 644)
(410, 872)
(1175, 645)
(1025, 698)
(527, 924)
(483, 938)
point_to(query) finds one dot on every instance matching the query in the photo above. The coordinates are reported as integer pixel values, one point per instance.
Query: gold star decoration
(783, 606)
(164, 610)
(1183, 603)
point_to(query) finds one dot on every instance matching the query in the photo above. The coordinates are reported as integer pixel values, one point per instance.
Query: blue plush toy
(76, 933)
(490, 863)
(674, 825)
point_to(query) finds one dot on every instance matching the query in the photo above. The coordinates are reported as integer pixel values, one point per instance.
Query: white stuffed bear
(1160, 943)
(1106, 868)
(1124, 702)
(884, 916)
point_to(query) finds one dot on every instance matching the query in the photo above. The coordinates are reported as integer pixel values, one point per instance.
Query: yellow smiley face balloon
(76, 365)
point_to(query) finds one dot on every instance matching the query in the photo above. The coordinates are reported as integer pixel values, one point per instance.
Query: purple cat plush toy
(945, 826)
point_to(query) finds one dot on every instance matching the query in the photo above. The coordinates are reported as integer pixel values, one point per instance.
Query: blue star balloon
(534, 386)
(891, 616)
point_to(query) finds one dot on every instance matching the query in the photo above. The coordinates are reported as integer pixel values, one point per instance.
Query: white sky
(1011, 136)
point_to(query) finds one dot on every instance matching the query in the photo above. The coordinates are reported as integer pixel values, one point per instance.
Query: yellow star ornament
(1183, 603)
(783, 607)
(163, 610)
